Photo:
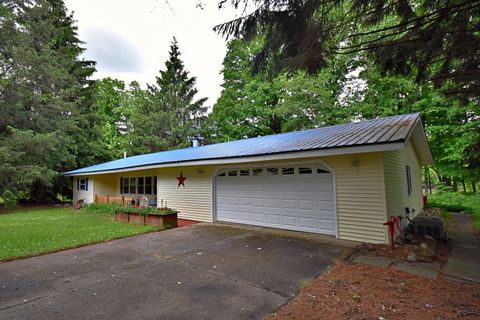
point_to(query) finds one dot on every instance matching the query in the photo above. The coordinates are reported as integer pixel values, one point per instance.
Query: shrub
(10, 199)
(104, 208)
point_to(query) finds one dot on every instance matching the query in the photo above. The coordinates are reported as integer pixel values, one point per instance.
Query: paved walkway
(464, 262)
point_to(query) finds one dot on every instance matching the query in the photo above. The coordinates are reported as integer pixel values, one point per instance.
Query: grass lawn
(455, 202)
(27, 232)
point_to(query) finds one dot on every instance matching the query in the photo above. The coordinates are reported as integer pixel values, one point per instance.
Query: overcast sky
(130, 39)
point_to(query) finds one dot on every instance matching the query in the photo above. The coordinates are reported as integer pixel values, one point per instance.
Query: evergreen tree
(47, 123)
(167, 116)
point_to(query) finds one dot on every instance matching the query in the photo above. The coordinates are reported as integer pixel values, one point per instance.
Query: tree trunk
(474, 185)
(455, 185)
(276, 124)
(464, 186)
(429, 182)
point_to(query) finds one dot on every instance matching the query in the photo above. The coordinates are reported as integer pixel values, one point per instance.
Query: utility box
(431, 226)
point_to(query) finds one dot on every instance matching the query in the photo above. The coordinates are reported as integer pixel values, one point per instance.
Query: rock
(428, 237)
(410, 237)
(411, 258)
(429, 306)
(426, 251)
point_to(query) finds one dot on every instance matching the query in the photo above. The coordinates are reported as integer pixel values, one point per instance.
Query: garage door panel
(306, 204)
(289, 203)
(302, 202)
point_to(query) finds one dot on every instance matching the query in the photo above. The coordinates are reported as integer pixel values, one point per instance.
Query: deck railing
(99, 198)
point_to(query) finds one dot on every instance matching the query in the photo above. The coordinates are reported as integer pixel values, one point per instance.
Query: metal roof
(377, 131)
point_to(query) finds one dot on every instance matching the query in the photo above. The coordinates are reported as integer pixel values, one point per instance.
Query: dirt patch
(368, 292)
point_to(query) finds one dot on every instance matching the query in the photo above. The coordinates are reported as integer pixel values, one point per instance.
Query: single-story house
(344, 180)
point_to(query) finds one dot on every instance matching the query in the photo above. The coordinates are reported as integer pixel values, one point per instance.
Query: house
(344, 180)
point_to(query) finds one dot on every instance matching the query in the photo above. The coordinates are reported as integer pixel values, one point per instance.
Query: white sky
(130, 39)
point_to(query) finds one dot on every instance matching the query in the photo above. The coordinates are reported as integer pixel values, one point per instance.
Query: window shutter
(86, 184)
(78, 184)
(121, 185)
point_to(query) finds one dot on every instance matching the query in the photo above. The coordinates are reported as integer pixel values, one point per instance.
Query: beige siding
(194, 201)
(396, 181)
(360, 197)
(104, 184)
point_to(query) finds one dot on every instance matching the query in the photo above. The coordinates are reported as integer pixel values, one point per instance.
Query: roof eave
(378, 147)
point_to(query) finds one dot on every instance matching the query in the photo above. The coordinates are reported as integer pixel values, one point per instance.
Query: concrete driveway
(204, 271)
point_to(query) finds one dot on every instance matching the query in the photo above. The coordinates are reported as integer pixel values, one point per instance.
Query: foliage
(103, 208)
(254, 104)
(435, 40)
(10, 199)
(166, 116)
(143, 211)
(457, 202)
(47, 124)
(30, 232)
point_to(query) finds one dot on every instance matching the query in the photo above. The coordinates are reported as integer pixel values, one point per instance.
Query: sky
(130, 39)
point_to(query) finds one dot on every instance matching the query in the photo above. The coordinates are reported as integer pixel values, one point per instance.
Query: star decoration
(181, 180)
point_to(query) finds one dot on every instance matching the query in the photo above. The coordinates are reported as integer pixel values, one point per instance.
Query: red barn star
(181, 180)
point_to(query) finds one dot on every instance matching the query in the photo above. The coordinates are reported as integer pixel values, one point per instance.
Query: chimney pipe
(124, 154)
(195, 142)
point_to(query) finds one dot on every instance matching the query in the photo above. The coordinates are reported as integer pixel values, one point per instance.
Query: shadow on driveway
(205, 271)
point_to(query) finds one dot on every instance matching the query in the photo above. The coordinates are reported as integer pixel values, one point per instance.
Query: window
(148, 185)
(245, 172)
(232, 173)
(272, 171)
(221, 173)
(304, 170)
(141, 185)
(138, 185)
(322, 171)
(82, 184)
(289, 170)
(133, 185)
(257, 171)
(409, 180)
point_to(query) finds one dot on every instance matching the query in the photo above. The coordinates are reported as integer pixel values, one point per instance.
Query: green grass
(27, 232)
(455, 202)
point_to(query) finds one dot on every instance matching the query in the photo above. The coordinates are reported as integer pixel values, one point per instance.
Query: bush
(10, 199)
(104, 208)
(457, 202)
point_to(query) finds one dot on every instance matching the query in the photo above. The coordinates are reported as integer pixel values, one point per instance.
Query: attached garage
(289, 197)
(343, 181)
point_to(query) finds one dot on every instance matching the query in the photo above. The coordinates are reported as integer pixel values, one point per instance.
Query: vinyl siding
(396, 188)
(82, 194)
(360, 197)
(104, 184)
(194, 201)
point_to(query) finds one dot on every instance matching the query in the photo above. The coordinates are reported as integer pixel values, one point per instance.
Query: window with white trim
(409, 180)
(82, 184)
(138, 185)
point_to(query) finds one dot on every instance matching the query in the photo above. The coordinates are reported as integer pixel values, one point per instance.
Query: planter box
(135, 218)
(121, 217)
(165, 220)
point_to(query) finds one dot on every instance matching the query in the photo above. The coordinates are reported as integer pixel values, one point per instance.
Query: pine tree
(47, 120)
(168, 116)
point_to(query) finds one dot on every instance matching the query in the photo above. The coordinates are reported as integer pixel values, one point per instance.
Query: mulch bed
(367, 292)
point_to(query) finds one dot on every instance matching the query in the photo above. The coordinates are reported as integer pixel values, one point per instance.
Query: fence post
(123, 200)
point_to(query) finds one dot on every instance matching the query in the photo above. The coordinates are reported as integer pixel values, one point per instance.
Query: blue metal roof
(369, 132)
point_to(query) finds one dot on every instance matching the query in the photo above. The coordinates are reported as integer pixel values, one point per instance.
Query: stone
(411, 258)
(418, 271)
(374, 261)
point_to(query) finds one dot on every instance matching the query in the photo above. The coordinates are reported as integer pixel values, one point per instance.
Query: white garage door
(287, 197)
